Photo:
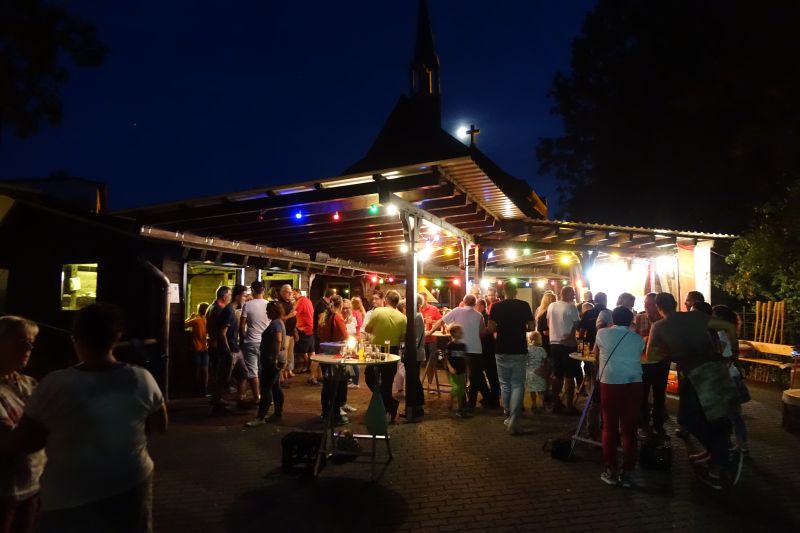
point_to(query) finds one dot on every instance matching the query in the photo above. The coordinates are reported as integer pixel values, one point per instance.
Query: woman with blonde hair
(541, 318)
(359, 312)
(19, 476)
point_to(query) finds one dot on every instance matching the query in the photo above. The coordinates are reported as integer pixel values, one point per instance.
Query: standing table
(377, 426)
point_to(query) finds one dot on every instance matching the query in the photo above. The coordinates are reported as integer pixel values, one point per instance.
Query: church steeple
(425, 63)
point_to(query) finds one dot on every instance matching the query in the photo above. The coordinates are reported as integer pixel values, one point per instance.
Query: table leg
(333, 411)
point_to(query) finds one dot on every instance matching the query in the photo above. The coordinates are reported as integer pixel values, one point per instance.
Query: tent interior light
(511, 253)
(391, 210)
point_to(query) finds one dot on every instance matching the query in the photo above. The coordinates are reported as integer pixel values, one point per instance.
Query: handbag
(715, 390)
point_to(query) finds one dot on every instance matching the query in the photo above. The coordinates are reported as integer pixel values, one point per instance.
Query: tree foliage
(35, 40)
(678, 113)
(767, 257)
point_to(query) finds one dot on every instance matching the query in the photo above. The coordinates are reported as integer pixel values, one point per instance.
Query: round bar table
(328, 443)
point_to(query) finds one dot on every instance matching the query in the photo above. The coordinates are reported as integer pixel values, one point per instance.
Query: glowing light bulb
(390, 280)
(374, 279)
(526, 251)
(457, 282)
(565, 259)
(448, 251)
(511, 253)
(391, 210)
(437, 282)
(541, 283)
(404, 248)
(373, 209)
(336, 215)
(513, 280)
(484, 284)
(298, 215)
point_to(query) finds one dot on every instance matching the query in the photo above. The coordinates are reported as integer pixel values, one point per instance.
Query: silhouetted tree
(678, 113)
(767, 256)
(35, 40)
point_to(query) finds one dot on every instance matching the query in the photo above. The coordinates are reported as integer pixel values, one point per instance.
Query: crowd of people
(75, 444)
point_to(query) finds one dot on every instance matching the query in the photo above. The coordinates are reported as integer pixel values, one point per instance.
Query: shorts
(225, 365)
(305, 344)
(200, 359)
(563, 364)
(252, 353)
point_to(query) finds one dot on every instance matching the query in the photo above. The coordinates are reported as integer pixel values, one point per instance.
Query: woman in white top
(92, 421)
(619, 354)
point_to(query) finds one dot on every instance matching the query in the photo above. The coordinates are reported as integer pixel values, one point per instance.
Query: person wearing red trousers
(619, 351)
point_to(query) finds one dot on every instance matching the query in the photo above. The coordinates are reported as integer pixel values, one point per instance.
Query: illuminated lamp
(527, 283)
(390, 280)
(336, 216)
(423, 282)
(499, 281)
(298, 215)
(541, 283)
(526, 251)
(547, 257)
(484, 284)
(511, 253)
(614, 256)
(491, 255)
(380, 281)
(513, 280)
(565, 259)
(448, 251)
(552, 282)
(373, 209)
(437, 282)
(457, 282)
(374, 279)
(391, 210)
(403, 248)
(563, 282)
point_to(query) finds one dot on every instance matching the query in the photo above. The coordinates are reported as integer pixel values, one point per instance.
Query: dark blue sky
(201, 97)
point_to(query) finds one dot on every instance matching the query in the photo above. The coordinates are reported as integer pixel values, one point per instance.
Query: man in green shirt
(386, 324)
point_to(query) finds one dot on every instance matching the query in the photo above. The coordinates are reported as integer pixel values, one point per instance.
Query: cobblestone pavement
(448, 474)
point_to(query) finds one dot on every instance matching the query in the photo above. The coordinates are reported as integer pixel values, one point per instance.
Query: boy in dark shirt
(457, 359)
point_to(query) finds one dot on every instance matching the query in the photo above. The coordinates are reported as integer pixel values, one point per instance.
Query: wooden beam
(408, 208)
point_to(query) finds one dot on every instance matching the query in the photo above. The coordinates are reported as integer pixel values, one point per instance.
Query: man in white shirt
(473, 327)
(252, 324)
(562, 322)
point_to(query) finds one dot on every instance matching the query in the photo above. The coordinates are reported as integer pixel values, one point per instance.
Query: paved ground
(451, 475)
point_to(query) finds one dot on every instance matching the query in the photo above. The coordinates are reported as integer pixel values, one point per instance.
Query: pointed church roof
(413, 135)
(424, 53)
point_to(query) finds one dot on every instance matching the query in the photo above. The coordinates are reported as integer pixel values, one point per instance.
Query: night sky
(200, 97)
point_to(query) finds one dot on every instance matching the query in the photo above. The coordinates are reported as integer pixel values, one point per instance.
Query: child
(535, 383)
(730, 354)
(457, 359)
(197, 323)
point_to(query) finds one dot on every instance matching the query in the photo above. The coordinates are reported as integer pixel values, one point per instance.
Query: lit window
(78, 286)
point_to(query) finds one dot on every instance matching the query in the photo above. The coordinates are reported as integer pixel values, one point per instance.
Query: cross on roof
(472, 132)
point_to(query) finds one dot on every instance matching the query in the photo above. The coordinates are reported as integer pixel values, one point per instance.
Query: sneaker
(342, 412)
(349, 408)
(507, 421)
(257, 421)
(342, 420)
(608, 477)
(353, 386)
(709, 476)
(625, 480)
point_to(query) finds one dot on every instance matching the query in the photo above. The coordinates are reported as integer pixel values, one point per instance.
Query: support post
(413, 389)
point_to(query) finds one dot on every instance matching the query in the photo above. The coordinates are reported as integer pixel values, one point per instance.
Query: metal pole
(410, 232)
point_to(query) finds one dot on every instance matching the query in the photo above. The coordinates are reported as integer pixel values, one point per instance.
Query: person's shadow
(321, 504)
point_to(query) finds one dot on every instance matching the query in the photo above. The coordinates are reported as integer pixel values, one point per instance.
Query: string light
(374, 279)
(513, 280)
(336, 215)
(448, 251)
(552, 282)
(484, 284)
(511, 253)
(527, 283)
(403, 248)
(298, 215)
(437, 282)
(391, 210)
(390, 280)
(457, 282)
(380, 281)
(373, 209)
(565, 259)
(423, 282)
(526, 251)
(563, 282)
(541, 283)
